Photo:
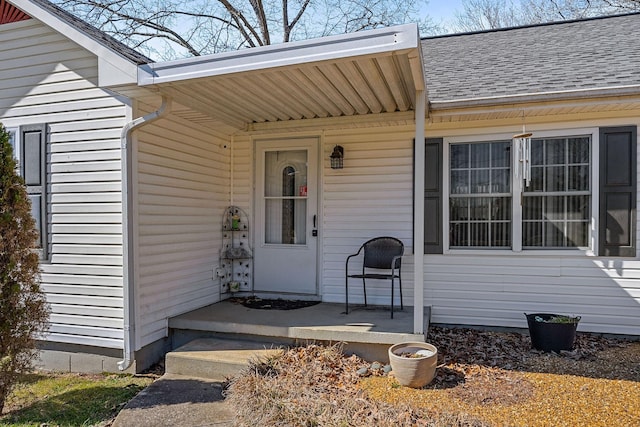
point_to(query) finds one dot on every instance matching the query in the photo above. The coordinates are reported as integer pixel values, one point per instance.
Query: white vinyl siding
(370, 197)
(493, 290)
(45, 78)
(182, 192)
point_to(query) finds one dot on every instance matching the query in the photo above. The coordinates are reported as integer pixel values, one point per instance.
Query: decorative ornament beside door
(337, 157)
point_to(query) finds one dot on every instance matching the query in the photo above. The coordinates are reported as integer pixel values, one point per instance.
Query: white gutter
(536, 97)
(128, 291)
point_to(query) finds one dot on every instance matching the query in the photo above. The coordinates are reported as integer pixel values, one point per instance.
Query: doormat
(274, 304)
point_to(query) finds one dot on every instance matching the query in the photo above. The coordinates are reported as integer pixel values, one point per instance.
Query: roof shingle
(599, 53)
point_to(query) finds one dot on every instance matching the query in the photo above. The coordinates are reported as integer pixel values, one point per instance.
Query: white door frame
(295, 253)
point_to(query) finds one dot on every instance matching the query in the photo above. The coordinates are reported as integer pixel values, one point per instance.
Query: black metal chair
(384, 255)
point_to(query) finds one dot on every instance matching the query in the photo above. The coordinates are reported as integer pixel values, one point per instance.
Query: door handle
(315, 218)
(314, 232)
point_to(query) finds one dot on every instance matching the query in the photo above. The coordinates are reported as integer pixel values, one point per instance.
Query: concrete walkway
(175, 400)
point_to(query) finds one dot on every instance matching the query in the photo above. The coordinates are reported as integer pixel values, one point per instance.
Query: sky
(442, 9)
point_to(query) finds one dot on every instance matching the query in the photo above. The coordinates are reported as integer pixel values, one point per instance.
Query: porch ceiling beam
(402, 118)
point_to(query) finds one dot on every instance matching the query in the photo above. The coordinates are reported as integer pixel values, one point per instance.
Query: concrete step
(216, 358)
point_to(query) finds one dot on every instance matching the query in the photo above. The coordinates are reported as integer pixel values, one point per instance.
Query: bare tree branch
(172, 28)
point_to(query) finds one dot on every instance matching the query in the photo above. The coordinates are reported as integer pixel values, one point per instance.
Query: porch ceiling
(370, 72)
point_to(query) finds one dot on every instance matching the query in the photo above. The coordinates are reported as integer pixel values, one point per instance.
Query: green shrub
(24, 312)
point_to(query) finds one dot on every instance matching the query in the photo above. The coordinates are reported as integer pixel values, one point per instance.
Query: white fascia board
(504, 100)
(379, 41)
(113, 69)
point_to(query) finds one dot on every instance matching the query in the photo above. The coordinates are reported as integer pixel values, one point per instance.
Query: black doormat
(273, 304)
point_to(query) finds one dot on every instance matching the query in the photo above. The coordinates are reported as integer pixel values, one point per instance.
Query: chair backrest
(379, 252)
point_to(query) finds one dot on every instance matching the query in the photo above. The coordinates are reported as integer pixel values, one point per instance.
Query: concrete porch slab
(325, 322)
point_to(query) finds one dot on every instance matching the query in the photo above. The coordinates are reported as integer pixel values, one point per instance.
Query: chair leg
(392, 286)
(400, 285)
(364, 288)
(346, 294)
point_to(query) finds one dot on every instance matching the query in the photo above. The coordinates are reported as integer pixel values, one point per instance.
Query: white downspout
(128, 290)
(418, 216)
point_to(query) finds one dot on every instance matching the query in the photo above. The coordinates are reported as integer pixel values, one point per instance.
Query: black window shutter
(617, 210)
(433, 196)
(33, 168)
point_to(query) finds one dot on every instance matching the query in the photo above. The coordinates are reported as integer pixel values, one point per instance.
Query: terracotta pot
(415, 372)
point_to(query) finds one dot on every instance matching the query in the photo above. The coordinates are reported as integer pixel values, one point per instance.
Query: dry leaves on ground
(483, 379)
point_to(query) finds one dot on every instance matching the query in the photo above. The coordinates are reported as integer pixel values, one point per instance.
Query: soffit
(365, 73)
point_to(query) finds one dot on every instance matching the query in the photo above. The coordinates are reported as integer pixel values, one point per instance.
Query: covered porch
(366, 331)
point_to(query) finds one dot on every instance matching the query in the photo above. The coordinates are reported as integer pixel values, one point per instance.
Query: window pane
(459, 209)
(460, 182)
(554, 179)
(553, 208)
(578, 150)
(501, 208)
(285, 221)
(578, 179)
(500, 181)
(480, 155)
(459, 156)
(577, 234)
(532, 233)
(480, 181)
(294, 162)
(578, 208)
(532, 208)
(501, 234)
(537, 152)
(479, 208)
(555, 151)
(501, 154)
(554, 234)
(537, 179)
(459, 234)
(479, 234)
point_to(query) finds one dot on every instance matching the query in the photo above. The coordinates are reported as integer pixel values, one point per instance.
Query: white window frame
(516, 190)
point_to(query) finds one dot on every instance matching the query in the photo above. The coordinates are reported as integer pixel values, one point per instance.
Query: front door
(285, 253)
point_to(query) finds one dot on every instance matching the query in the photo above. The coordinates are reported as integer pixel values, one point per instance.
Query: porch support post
(418, 215)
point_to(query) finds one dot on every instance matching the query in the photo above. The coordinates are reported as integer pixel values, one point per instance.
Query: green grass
(69, 399)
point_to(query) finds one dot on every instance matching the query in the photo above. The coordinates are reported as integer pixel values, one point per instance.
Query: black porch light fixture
(337, 157)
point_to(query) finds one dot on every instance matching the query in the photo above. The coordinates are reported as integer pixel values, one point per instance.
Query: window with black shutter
(33, 157)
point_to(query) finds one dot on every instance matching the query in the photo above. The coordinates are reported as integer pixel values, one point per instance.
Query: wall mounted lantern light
(337, 157)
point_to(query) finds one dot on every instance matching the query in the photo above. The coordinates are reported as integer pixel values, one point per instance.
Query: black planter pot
(547, 336)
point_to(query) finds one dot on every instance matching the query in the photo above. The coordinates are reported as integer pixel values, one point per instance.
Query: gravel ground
(496, 378)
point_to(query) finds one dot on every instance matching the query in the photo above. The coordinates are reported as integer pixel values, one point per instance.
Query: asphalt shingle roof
(94, 33)
(598, 53)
